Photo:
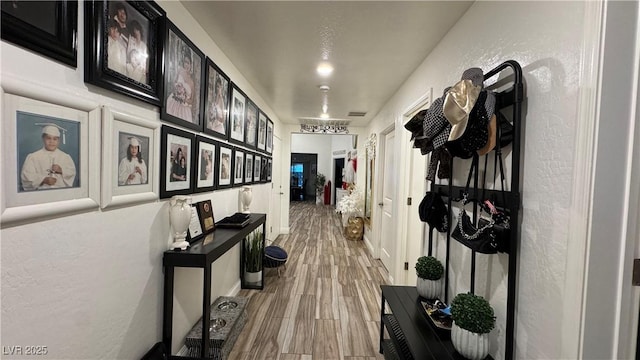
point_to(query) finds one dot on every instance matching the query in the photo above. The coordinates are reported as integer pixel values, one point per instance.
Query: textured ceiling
(373, 46)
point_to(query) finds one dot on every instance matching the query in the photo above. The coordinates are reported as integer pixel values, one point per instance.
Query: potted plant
(429, 270)
(253, 253)
(319, 185)
(473, 319)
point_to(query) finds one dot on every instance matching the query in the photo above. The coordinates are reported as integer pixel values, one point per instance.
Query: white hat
(53, 130)
(458, 103)
(133, 141)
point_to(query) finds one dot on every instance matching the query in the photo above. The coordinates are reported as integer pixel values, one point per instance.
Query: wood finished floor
(325, 305)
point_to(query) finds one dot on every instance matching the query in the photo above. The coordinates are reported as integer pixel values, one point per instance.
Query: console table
(200, 255)
(411, 334)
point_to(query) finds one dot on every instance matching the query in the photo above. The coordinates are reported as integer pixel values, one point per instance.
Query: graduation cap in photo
(53, 130)
(134, 141)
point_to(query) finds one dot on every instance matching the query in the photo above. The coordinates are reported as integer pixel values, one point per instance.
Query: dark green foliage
(253, 252)
(473, 313)
(320, 180)
(429, 268)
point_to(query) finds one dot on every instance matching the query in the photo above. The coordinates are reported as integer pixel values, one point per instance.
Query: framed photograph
(123, 47)
(205, 213)
(238, 173)
(225, 165)
(49, 28)
(216, 110)
(204, 171)
(248, 168)
(269, 146)
(183, 80)
(176, 154)
(262, 132)
(263, 170)
(51, 143)
(195, 226)
(269, 165)
(130, 147)
(257, 165)
(251, 125)
(238, 102)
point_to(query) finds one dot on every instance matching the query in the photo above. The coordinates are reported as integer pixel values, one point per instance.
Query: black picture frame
(180, 141)
(262, 132)
(224, 168)
(206, 216)
(263, 170)
(217, 89)
(248, 167)
(269, 166)
(28, 25)
(269, 141)
(138, 78)
(238, 166)
(251, 124)
(237, 104)
(257, 167)
(183, 98)
(204, 175)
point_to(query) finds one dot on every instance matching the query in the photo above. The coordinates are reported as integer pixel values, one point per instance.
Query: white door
(389, 183)
(277, 192)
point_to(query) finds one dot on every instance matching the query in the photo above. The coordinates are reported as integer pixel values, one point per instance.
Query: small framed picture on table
(205, 213)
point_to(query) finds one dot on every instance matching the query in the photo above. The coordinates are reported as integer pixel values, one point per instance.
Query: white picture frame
(117, 129)
(25, 104)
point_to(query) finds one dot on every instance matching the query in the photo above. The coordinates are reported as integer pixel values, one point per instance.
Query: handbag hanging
(490, 235)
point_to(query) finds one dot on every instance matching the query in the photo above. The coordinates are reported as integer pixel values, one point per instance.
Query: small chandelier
(324, 129)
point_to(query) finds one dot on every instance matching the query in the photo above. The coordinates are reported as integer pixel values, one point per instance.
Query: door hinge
(408, 201)
(406, 266)
(635, 278)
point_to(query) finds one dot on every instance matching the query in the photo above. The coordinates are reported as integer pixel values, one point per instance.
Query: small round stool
(274, 257)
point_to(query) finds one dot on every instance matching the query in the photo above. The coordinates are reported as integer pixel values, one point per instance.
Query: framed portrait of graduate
(262, 132)
(130, 148)
(224, 170)
(49, 28)
(123, 47)
(51, 143)
(216, 110)
(176, 162)
(257, 165)
(238, 173)
(251, 125)
(183, 80)
(248, 167)
(238, 103)
(204, 172)
(269, 145)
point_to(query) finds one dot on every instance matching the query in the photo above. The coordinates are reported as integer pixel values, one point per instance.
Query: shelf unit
(200, 255)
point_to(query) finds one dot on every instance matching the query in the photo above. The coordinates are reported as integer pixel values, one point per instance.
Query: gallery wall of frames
(211, 135)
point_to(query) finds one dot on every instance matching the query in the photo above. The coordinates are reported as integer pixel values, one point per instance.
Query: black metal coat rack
(510, 200)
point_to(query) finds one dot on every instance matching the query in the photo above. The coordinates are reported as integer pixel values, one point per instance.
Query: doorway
(338, 167)
(304, 169)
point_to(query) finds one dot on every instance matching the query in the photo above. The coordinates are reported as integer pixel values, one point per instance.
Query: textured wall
(89, 286)
(545, 38)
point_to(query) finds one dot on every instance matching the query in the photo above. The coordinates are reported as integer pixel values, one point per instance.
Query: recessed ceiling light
(324, 69)
(324, 116)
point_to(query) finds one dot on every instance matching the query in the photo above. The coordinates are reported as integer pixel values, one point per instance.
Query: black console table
(200, 255)
(411, 334)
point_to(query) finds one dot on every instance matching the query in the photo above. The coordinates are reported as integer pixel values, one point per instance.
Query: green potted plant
(429, 270)
(473, 319)
(253, 253)
(319, 186)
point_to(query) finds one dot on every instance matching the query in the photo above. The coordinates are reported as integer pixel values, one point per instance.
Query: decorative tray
(438, 313)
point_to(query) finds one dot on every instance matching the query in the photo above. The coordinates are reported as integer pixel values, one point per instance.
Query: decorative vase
(355, 228)
(428, 289)
(246, 198)
(180, 217)
(253, 277)
(471, 345)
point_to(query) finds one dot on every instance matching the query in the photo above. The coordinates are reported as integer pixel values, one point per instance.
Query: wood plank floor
(325, 305)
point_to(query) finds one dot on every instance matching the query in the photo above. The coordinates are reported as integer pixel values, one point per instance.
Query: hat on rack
(415, 124)
(491, 140)
(458, 103)
(53, 130)
(436, 127)
(433, 211)
(476, 132)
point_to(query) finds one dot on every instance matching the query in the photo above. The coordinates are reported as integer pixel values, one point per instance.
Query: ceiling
(373, 47)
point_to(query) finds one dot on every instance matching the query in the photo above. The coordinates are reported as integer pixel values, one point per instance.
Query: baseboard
(235, 289)
(284, 230)
(183, 351)
(367, 242)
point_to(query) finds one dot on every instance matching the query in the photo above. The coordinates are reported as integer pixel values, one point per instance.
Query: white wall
(545, 38)
(89, 286)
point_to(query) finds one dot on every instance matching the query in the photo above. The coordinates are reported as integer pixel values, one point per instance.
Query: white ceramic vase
(180, 217)
(246, 198)
(253, 277)
(428, 289)
(471, 345)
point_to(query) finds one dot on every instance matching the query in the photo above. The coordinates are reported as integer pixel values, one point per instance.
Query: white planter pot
(472, 346)
(428, 289)
(253, 277)
(180, 217)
